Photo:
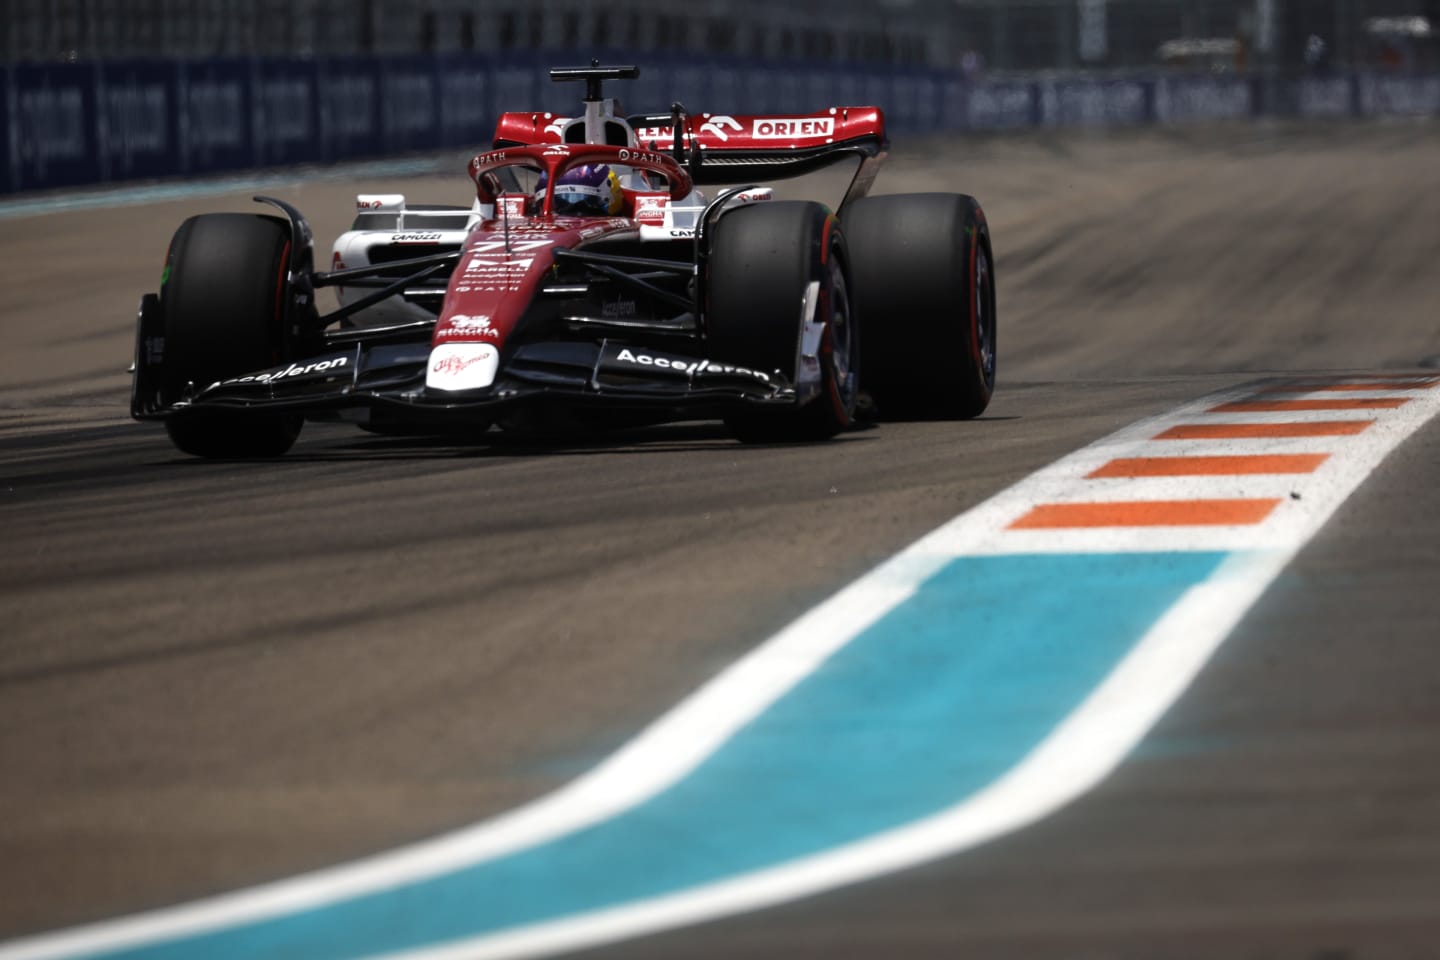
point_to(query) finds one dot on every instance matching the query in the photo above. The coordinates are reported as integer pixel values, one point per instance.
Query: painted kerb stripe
(1235, 465)
(1281, 406)
(1259, 431)
(1347, 387)
(1146, 513)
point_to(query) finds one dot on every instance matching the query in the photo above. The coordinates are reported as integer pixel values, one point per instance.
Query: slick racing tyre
(763, 261)
(925, 284)
(220, 299)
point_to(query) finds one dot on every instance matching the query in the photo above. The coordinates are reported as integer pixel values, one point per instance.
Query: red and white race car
(591, 281)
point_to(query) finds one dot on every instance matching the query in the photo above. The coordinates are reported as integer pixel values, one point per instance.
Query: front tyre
(221, 301)
(779, 299)
(925, 284)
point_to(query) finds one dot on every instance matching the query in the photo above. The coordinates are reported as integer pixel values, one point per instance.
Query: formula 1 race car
(589, 282)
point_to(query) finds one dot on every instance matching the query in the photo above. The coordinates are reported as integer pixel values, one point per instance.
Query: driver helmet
(592, 190)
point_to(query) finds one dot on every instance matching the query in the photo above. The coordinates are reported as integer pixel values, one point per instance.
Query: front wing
(393, 376)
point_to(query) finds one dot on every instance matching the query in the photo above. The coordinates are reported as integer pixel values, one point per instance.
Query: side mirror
(680, 123)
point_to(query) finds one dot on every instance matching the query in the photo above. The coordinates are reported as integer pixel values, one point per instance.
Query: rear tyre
(220, 299)
(763, 260)
(925, 284)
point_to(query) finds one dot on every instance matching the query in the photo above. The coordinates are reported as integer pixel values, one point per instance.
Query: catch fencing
(70, 124)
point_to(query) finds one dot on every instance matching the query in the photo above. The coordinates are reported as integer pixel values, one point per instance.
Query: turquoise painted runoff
(931, 704)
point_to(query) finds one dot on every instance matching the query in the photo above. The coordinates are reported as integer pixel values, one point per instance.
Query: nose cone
(462, 366)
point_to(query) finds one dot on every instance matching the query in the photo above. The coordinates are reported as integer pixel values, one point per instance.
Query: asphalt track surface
(214, 674)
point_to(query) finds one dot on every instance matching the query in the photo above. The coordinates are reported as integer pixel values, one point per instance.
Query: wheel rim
(984, 315)
(841, 336)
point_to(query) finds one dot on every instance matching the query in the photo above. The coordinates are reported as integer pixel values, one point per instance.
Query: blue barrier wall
(64, 125)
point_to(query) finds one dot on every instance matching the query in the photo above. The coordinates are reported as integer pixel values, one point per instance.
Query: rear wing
(719, 148)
